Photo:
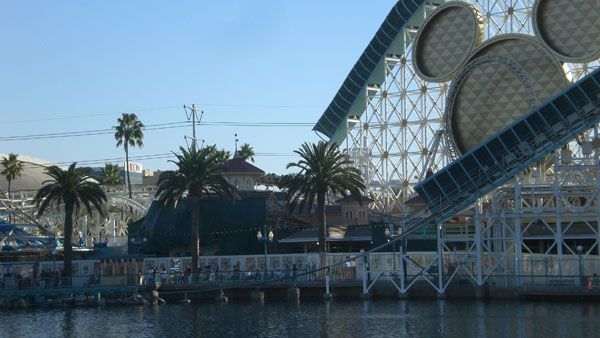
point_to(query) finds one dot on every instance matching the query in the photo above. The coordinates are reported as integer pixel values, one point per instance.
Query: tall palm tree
(129, 133)
(109, 175)
(246, 152)
(13, 168)
(323, 170)
(197, 175)
(71, 188)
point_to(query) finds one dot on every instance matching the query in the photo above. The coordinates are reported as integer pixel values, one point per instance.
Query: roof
(13, 236)
(362, 74)
(238, 166)
(32, 175)
(350, 233)
(415, 200)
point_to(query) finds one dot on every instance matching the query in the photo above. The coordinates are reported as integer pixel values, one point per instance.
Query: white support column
(597, 178)
(557, 205)
(402, 272)
(517, 233)
(440, 260)
(478, 246)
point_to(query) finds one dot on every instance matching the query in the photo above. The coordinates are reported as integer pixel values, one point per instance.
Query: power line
(69, 117)
(257, 124)
(160, 126)
(137, 158)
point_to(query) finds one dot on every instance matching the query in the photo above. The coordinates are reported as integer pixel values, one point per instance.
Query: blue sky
(70, 66)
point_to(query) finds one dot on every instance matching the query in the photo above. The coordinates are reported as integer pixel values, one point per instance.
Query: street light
(264, 239)
(579, 252)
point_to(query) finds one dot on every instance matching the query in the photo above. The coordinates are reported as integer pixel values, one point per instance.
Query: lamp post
(264, 238)
(579, 252)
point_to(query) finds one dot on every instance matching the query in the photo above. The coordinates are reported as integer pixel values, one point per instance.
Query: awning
(349, 233)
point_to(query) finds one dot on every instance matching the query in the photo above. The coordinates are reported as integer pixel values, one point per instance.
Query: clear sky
(69, 66)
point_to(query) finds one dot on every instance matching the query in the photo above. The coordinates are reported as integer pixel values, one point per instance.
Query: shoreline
(346, 291)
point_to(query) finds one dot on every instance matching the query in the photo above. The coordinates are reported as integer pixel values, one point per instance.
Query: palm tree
(71, 188)
(246, 152)
(323, 170)
(13, 168)
(129, 133)
(110, 174)
(197, 175)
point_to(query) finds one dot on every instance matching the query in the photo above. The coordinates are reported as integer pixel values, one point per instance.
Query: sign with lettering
(135, 167)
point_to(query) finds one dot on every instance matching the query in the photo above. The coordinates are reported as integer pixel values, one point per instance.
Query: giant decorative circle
(502, 80)
(445, 40)
(569, 28)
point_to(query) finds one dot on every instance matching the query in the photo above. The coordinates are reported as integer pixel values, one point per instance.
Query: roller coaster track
(19, 213)
(128, 202)
(501, 157)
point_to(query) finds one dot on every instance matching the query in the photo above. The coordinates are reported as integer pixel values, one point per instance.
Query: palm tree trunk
(322, 228)
(68, 241)
(195, 205)
(127, 169)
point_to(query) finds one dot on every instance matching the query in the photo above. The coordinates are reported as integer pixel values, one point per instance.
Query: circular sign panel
(502, 80)
(445, 40)
(569, 28)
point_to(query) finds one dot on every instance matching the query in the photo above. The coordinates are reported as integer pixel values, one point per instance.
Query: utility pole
(193, 116)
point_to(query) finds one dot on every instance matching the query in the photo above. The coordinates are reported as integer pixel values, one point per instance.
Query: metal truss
(121, 212)
(396, 139)
(402, 134)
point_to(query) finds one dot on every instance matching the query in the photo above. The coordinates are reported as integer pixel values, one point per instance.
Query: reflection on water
(435, 318)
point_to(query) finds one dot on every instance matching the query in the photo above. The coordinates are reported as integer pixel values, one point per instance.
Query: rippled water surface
(433, 318)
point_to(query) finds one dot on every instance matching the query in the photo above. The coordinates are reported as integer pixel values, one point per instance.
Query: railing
(54, 281)
(411, 268)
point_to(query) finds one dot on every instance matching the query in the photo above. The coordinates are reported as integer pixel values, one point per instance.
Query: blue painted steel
(512, 150)
(337, 111)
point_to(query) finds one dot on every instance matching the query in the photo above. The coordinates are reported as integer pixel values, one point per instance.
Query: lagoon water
(412, 318)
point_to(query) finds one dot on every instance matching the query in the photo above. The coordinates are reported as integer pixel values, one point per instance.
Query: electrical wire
(134, 158)
(141, 110)
(159, 126)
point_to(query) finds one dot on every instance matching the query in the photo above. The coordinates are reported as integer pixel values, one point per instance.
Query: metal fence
(534, 271)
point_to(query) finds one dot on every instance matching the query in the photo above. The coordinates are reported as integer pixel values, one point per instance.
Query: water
(432, 318)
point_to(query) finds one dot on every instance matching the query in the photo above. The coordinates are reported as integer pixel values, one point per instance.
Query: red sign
(135, 167)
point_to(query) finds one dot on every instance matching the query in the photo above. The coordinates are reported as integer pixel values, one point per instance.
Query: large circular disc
(445, 40)
(487, 96)
(569, 28)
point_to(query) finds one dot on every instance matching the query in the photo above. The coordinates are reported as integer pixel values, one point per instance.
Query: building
(241, 174)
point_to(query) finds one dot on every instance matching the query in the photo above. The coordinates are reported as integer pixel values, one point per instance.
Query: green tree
(246, 152)
(129, 133)
(12, 169)
(109, 175)
(197, 175)
(323, 169)
(73, 189)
